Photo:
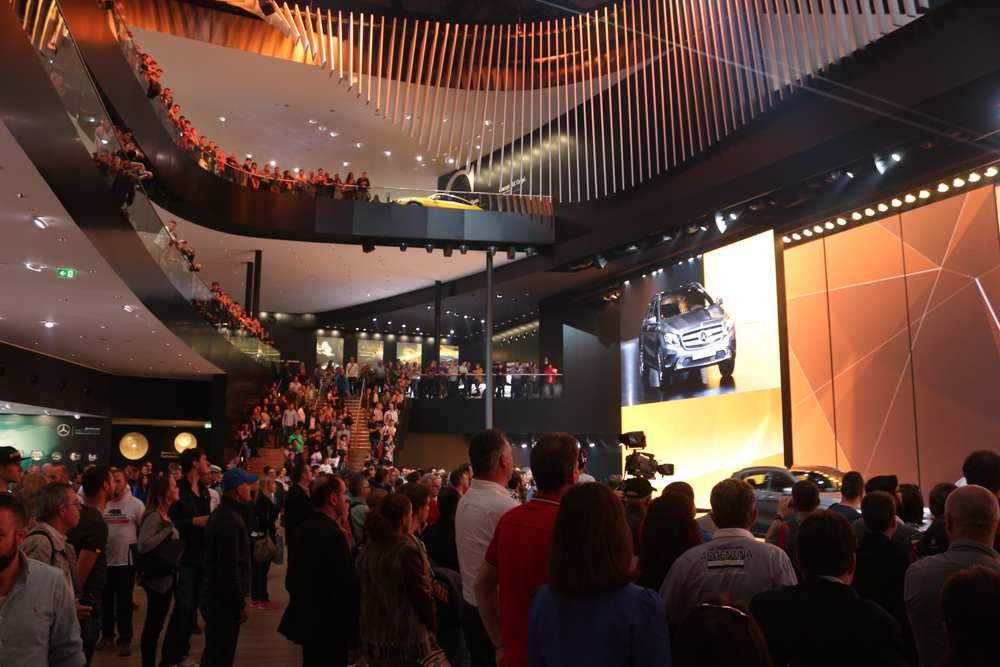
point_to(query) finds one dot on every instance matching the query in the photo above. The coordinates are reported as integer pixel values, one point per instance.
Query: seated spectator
(667, 532)
(882, 563)
(720, 631)
(972, 517)
(733, 563)
(982, 468)
(935, 539)
(800, 621)
(852, 488)
(590, 613)
(890, 484)
(782, 533)
(972, 616)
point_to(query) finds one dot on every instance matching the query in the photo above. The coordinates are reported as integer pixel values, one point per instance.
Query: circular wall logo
(91, 457)
(75, 456)
(56, 456)
(63, 429)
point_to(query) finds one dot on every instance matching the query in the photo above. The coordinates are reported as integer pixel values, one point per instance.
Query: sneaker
(254, 603)
(187, 662)
(104, 643)
(124, 649)
(270, 605)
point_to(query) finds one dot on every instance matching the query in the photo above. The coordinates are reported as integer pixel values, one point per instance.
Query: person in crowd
(882, 563)
(156, 527)
(638, 495)
(324, 593)
(419, 495)
(720, 631)
(359, 488)
(982, 468)
(58, 473)
(972, 517)
(518, 486)
(439, 538)
(122, 513)
(478, 513)
(733, 563)
(39, 624)
(783, 531)
(668, 531)
(266, 520)
(799, 621)
(590, 612)
(189, 514)
(28, 489)
(57, 510)
(90, 540)
(298, 507)
(890, 484)
(10, 467)
(398, 612)
(935, 539)
(971, 616)
(688, 490)
(432, 480)
(852, 489)
(516, 560)
(459, 479)
(227, 571)
(911, 505)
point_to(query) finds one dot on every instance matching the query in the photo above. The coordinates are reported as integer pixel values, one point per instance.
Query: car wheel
(728, 366)
(413, 203)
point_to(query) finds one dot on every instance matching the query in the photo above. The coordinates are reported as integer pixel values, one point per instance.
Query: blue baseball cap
(232, 479)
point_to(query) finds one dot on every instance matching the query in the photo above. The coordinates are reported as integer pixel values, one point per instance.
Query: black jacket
(799, 623)
(881, 571)
(190, 504)
(266, 514)
(298, 509)
(227, 557)
(324, 606)
(442, 547)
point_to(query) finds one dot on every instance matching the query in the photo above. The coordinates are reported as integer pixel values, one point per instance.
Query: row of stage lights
(870, 212)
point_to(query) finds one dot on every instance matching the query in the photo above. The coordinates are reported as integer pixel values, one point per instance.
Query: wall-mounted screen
(449, 353)
(409, 353)
(369, 352)
(65, 440)
(701, 372)
(329, 349)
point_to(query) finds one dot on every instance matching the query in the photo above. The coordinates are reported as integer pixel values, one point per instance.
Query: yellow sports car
(441, 200)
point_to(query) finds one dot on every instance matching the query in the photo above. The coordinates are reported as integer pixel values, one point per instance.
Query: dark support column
(437, 322)
(488, 333)
(255, 304)
(248, 304)
(219, 438)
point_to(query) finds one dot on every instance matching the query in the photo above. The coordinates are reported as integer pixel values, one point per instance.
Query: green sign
(66, 273)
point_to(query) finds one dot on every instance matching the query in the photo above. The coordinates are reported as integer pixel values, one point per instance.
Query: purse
(264, 549)
(160, 561)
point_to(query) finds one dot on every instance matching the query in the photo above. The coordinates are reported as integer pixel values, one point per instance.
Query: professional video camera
(639, 464)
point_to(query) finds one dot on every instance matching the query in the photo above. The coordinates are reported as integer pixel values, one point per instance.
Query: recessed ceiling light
(358, 144)
(104, 326)
(129, 309)
(42, 223)
(20, 195)
(249, 155)
(33, 267)
(49, 325)
(222, 118)
(333, 134)
(312, 122)
(388, 153)
(346, 163)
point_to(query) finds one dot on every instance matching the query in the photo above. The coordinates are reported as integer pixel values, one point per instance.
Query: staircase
(267, 457)
(360, 446)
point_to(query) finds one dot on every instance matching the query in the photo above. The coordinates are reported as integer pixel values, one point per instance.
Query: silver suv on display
(685, 329)
(771, 484)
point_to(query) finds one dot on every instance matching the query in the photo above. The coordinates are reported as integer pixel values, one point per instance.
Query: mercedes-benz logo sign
(704, 337)
(63, 429)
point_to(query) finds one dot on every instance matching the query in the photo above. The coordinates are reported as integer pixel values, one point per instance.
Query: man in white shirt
(123, 514)
(479, 511)
(734, 562)
(352, 376)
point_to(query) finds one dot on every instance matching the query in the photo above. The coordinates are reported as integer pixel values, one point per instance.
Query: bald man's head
(972, 513)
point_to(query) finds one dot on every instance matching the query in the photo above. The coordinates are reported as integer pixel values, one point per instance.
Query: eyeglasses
(76, 504)
(725, 606)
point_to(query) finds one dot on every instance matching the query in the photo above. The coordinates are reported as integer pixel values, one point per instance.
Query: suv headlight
(728, 325)
(672, 339)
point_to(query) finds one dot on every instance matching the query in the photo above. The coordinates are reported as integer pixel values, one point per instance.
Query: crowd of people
(214, 158)
(489, 565)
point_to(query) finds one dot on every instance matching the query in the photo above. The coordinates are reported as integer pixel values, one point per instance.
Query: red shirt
(519, 551)
(433, 513)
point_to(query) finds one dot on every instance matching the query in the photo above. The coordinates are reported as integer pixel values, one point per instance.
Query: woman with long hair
(398, 614)
(590, 612)
(141, 490)
(266, 514)
(155, 528)
(668, 530)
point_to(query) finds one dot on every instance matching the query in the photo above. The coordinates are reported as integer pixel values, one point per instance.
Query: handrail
(49, 35)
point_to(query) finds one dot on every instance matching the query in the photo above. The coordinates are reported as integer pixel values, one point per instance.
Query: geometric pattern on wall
(894, 342)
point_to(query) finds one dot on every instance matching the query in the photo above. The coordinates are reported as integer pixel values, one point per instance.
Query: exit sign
(66, 273)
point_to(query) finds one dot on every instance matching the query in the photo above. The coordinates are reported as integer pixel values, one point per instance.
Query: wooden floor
(260, 643)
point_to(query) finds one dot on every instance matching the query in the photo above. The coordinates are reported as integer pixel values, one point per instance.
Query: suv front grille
(699, 338)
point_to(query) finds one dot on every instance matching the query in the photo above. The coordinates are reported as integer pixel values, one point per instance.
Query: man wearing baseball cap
(10, 467)
(227, 570)
(638, 495)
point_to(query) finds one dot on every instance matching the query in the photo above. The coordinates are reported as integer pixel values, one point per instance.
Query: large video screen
(701, 372)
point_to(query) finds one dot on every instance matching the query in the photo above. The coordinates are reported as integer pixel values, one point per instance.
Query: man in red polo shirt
(517, 559)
